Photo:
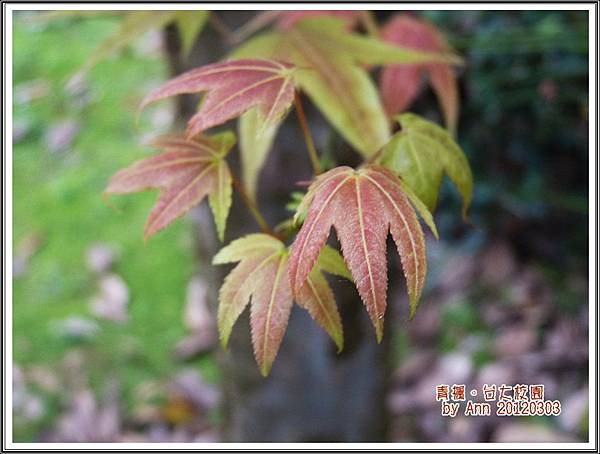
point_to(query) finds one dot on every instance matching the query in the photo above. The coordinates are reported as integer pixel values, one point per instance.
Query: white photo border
(8, 9)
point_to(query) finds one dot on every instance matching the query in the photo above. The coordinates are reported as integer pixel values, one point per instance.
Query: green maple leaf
(421, 153)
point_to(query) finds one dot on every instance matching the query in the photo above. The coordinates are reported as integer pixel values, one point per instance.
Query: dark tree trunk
(312, 393)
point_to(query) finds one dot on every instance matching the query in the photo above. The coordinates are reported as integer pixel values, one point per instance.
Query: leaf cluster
(322, 56)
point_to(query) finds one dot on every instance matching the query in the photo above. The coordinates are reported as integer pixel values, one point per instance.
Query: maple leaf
(261, 278)
(233, 87)
(256, 141)
(328, 59)
(363, 206)
(189, 25)
(288, 19)
(135, 24)
(285, 20)
(401, 84)
(421, 153)
(185, 172)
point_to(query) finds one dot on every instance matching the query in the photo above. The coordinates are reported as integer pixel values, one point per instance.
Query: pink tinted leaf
(179, 197)
(233, 87)
(270, 310)
(261, 277)
(156, 171)
(362, 206)
(400, 84)
(445, 86)
(405, 230)
(317, 298)
(234, 294)
(186, 172)
(322, 209)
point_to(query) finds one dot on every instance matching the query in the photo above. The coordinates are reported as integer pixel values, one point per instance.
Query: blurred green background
(73, 140)
(93, 304)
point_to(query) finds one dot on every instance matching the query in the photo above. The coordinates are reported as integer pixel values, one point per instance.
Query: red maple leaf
(363, 206)
(261, 280)
(186, 172)
(233, 87)
(401, 84)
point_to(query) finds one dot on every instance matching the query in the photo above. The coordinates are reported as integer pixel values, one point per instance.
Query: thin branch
(310, 145)
(221, 28)
(369, 22)
(251, 204)
(374, 157)
(259, 21)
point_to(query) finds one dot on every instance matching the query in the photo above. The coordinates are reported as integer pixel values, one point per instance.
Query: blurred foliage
(524, 126)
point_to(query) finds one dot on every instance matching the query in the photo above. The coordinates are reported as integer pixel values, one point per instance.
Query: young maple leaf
(287, 19)
(363, 206)
(330, 70)
(186, 172)
(401, 84)
(233, 87)
(262, 277)
(421, 153)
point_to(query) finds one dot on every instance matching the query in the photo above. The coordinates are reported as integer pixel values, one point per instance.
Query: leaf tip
(221, 233)
(224, 340)
(465, 213)
(413, 308)
(106, 201)
(265, 369)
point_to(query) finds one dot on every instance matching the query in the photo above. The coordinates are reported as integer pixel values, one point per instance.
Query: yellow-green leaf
(317, 298)
(342, 90)
(190, 24)
(332, 261)
(421, 152)
(421, 208)
(256, 140)
(347, 97)
(412, 156)
(266, 45)
(134, 25)
(243, 247)
(328, 58)
(332, 36)
(223, 142)
(220, 199)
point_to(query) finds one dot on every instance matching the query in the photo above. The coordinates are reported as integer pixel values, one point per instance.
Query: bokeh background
(112, 338)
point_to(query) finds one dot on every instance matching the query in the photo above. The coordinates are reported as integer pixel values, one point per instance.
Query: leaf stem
(310, 145)
(369, 23)
(374, 157)
(251, 204)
